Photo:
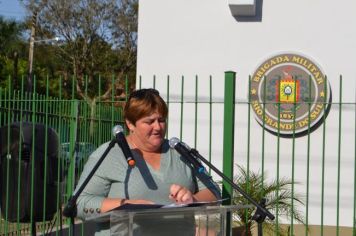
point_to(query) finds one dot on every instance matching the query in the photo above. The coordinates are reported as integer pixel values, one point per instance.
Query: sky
(12, 9)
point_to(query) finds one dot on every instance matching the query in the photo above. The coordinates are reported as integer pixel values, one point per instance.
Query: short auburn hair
(144, 102)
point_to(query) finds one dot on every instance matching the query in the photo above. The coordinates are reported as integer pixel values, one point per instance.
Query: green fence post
(72, 143)
(228, 141)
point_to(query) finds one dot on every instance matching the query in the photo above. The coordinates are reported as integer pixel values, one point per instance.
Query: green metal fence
(320, 161)
(194, 115)
(80, 129)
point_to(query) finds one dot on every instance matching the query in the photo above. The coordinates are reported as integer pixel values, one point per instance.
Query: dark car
(81, 152)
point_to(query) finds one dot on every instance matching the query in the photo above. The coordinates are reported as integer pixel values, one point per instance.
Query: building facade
(279, 46)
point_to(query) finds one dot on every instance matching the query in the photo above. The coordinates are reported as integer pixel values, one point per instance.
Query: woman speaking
(160, 176)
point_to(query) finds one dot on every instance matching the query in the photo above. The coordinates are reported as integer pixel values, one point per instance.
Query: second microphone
(119, 135)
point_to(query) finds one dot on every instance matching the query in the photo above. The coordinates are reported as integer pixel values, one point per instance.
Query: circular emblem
(289, 94)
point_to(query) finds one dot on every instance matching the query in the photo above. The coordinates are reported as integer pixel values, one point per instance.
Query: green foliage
(98, 40)
(12, 51)
(10, 35)
(98, 37)
(256, 186)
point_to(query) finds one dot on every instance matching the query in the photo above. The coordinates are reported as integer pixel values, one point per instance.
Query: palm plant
(257, 187)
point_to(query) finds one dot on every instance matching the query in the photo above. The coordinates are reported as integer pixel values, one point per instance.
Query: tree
(99, 38)
(12, 46)
(124, 23)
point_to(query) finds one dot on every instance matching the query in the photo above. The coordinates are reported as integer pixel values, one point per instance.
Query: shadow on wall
(255, 18)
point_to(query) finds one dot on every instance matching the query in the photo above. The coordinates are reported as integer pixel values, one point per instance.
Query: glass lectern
(204, 220)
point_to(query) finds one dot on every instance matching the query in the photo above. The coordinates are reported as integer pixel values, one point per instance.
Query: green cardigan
(114, 179)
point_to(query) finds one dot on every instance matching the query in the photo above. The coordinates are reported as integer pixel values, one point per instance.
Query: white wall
(201, 37)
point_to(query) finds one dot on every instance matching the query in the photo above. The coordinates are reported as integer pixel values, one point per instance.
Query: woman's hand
(180, 194)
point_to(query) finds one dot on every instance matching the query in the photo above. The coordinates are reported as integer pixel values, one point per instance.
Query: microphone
(118, 133)
(185, 151)
(193, 156)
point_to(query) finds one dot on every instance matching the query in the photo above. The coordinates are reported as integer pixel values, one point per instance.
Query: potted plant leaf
(256, 185)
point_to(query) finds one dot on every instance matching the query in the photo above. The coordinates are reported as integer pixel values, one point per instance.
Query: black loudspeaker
(24, 175)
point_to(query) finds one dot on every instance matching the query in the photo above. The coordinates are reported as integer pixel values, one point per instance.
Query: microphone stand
(261, 212)
(70, 210)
